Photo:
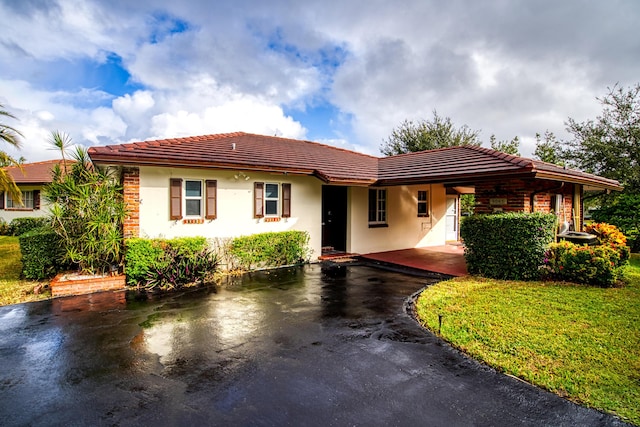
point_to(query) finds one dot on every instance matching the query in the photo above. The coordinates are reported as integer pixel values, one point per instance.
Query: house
(227, 185)
(30, 179)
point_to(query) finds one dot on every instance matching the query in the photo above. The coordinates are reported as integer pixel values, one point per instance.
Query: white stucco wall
(234, 203)
(405, 229)
(10, 214)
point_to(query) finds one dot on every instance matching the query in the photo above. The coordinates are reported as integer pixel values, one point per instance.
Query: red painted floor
(448, 259)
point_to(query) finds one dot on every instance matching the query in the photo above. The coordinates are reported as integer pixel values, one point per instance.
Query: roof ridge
(41, 162)
(510, 158)
(412, 153)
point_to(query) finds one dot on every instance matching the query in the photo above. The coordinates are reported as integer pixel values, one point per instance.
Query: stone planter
(79, 284)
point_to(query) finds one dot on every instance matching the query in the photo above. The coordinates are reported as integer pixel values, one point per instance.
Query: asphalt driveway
(304, 346)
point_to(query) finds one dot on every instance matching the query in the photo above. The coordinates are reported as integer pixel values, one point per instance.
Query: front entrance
(334, 218)
(451, 222)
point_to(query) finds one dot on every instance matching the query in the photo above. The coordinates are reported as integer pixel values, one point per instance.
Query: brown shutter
(1, 199)
(175, 196)
(258, 199)
(36, 199)
(286, 200)
(212, 195)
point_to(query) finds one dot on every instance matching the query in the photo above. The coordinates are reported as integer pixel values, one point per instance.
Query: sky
(340, 72)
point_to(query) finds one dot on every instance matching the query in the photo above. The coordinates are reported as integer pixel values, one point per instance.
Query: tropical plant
(87, 212)
(10, 136)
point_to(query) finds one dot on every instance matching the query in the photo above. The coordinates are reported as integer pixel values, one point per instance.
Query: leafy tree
(87, 212)
(10, 136)
(509, 147)
(427, 135)
(610, 145)
(549, 150)
(622, 211)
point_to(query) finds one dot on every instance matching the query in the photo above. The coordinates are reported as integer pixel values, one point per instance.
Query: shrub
(274, 249)
(508, 246)
(168, 263)
(42, 253)
(609, 235)
(19, 226)
(4, 228)
(596, 265)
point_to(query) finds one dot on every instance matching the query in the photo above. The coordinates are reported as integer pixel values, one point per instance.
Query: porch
(446, 259)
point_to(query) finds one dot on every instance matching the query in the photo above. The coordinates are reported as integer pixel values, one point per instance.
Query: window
(556, 204)
(30, 200)
(423, 204)
(271, 200)
(377, 207)
(193, 201)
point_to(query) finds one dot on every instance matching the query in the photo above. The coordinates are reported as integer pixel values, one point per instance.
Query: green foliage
(87, 212)
(509, 147)
(168, 263)
(42, 253)
(274, 249)
(594, 265)
(19, 226)
(4, 228)
(507, 246)
(623, 211)
(610, 144)
(467, 204)
(549, 150)
(411, 137)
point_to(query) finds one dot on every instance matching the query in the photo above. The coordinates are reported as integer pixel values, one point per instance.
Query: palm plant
(11, 136)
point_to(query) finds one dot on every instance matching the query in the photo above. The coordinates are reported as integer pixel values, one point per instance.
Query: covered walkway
(447, 259)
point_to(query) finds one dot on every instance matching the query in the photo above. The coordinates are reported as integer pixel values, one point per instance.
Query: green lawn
(12, 289)
(580, 342)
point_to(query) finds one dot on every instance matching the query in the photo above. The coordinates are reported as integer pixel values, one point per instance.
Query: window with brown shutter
(36, 199)
(286, 200)
(258, 198)
(175, 196)
(212, 193)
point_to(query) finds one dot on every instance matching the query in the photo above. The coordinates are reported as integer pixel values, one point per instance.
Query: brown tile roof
(466, 164)
(244, 151)
(33, 173)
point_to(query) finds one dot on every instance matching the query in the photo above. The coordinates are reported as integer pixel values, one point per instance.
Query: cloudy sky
(342, 72)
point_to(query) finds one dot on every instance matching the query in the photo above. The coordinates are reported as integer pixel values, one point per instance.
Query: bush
(42, 253)
(508, 246)
(609, 235)
(595, 265)
(4, 228)
(19, 226)
(168, 263)
(275, 249)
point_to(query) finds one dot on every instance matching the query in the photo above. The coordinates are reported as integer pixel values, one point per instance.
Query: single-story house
(30, 179)
(234, 184)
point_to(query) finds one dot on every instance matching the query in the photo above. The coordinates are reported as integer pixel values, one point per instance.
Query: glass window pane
(193, 207)
(422, 208)
(422, 195)
(193, 188)
(271, 207)
(271, 191)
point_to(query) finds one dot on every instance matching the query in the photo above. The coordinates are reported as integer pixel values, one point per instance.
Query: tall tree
(427, 135)
(509, 147)
(10, 136)
(610, 144)
(549, 150)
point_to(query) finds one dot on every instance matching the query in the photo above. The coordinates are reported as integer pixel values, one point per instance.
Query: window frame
(186, 198)
(420, 202)
(378, 206)
(277, 200)
(28, 201)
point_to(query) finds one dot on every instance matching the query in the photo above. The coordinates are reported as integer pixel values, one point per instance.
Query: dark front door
(334, 218)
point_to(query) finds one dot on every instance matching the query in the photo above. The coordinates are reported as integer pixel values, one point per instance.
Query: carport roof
(244, 151)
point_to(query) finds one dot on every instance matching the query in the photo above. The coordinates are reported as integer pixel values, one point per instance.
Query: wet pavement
(316, 345)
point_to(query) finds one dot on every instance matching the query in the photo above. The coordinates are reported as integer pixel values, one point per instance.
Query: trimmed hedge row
(42, 253)
(509, 246)
(19, 226)
(266, 250)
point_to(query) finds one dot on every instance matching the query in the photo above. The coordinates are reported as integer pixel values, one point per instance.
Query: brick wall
(131, 190)
(64, 285)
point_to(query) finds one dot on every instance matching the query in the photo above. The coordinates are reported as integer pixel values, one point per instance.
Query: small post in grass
(439, 323)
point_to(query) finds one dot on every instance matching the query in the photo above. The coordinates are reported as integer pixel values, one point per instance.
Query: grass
(13, 290)
(582, 343)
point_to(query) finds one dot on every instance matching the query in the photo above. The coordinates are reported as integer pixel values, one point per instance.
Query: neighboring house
(30, 178)
(228, 185)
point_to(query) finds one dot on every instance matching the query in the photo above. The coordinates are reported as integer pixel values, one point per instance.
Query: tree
(610, 145)
(439, 132)
(87, 212)
(11, 136)
(549, 150)
(60, 141)
(509, 147)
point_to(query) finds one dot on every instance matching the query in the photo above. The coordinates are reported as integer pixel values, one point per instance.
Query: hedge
(509, 246)
(42, 253)
(274, 249)
(19, 226)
